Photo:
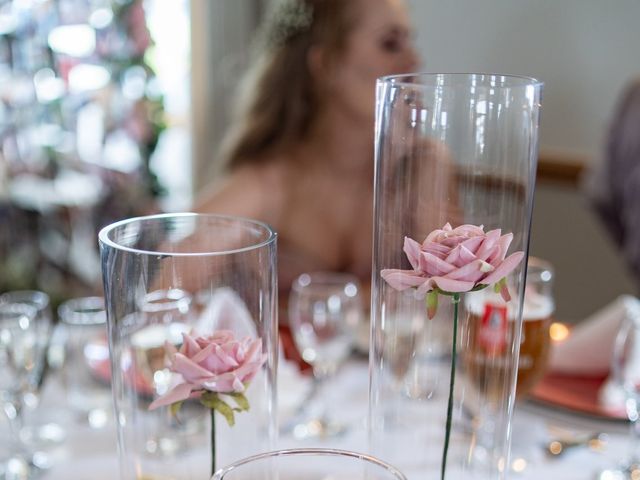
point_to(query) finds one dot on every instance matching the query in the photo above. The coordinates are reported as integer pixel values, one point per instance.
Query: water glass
(310, 464)
(86, 369)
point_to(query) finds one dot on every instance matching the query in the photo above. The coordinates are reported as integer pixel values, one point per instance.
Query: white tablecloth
(91, 453)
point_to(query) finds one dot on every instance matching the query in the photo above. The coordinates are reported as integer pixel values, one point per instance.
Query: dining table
(90, 452)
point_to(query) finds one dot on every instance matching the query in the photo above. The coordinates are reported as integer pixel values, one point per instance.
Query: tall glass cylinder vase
(192, 326)
(455, 173)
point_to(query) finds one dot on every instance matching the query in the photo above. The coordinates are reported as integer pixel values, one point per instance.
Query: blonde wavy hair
(278, 99)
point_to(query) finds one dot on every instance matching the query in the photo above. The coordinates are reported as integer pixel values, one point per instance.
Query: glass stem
(634, 435)
(13, 411)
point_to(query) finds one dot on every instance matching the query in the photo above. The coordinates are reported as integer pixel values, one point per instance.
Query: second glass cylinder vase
(192, 327)
(455, 173)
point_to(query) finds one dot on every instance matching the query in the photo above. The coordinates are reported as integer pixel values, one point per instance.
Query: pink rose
(454, 260)
(215, 363)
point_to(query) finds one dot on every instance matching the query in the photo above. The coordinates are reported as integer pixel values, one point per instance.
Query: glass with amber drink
(490, 326)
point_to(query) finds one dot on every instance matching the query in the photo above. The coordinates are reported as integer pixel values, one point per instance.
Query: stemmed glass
(37, 434)
(625, 371)
(21, 356)
(324, 310)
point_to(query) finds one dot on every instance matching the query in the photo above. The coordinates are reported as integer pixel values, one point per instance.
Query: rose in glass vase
(216, 370)
(449, 262)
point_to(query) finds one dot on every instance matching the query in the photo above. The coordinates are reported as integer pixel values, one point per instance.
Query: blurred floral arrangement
(80, 117)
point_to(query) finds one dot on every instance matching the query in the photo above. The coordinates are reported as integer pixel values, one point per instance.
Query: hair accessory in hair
(288, 19)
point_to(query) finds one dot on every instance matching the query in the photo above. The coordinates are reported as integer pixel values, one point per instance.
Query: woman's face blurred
(379, 44)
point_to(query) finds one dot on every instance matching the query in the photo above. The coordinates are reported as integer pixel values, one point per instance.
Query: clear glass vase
(451, 150)
(201, 288)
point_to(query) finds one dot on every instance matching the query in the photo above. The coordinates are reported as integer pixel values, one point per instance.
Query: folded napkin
(225, 310)
(588, 350)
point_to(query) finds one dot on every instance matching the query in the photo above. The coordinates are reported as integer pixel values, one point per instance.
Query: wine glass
(21, 356)
(324, 310)
(35, 433)
(625, 372)
(311, 464)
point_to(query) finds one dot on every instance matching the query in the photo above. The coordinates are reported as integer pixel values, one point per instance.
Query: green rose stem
(213, 442)
(456, 300)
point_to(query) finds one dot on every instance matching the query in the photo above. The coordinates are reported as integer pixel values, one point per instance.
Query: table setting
(179, 371)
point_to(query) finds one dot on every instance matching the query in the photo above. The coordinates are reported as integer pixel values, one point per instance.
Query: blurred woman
(299, 152)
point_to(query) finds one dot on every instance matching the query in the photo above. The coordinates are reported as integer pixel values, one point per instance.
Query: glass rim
(40, 300)
(540, 264)
(103, 235)
(403, 79)
(17, 309)
(87, 311)
(219, 474)
(326, 278)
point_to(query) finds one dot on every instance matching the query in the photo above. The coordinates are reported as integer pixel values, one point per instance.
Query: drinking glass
(489, 326)
(625, 371)
(310, 464)
(86, 358)
(153, 267)
(325, 310)
(21, 357)
(34, 432)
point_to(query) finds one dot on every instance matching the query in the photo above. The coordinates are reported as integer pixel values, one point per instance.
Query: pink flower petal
(227, 360)
(469, 230)
(225, 383)
(178, 393)
(504, 243)
(436, 249)
(412, 250)
(190, 370)
(433, 265)
(203, 354)
(473, 243)
(466, 255)
(426, 287)
(452, 286)
(402, 279)
(471, 272)
(438, 235)
(491, 255)
(189, 345)
(504, 269)
(490, 239)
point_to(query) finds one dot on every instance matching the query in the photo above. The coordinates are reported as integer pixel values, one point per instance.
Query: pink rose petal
(490, 240)
(178, 393)
(402, 279)
(504, 269)
(472, 272)
(433, 265)
(436, 249)
(453, 286)
(412, 250)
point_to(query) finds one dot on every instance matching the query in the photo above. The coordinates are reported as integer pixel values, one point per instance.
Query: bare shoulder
(253, 190)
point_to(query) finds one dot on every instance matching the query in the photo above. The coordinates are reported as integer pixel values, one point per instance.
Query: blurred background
(115, 108)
